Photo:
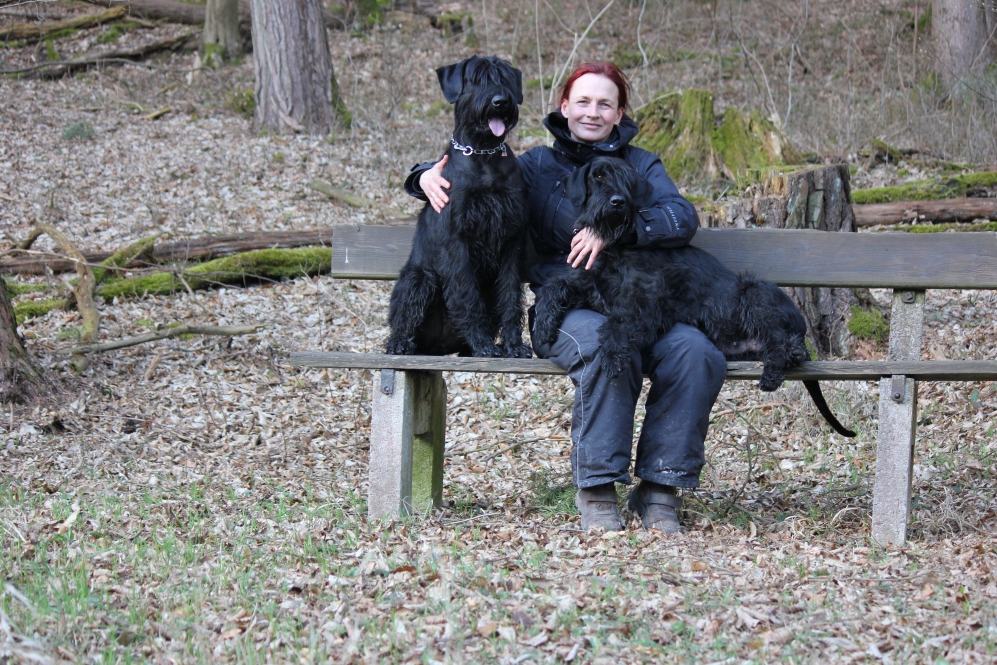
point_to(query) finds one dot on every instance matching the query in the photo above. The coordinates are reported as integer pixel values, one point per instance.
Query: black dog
(643, 293)
(461, 287)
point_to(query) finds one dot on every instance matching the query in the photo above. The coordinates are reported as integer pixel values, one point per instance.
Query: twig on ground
(83, 291)
(340, 194)
(166, 333)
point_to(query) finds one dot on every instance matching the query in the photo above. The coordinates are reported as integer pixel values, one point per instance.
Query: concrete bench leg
(897, 423)
(407, 432)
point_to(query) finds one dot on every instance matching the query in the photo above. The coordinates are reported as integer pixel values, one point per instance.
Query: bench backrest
(785, 257)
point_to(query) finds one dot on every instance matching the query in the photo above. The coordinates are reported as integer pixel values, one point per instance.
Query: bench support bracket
(897, 423)
(407, 431)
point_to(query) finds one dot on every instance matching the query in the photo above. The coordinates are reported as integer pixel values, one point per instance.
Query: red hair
(607, 69)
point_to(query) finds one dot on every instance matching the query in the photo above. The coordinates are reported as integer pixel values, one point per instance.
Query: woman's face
(592, 108)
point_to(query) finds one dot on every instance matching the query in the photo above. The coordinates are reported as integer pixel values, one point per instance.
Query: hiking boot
(597, 506)
(657, 505)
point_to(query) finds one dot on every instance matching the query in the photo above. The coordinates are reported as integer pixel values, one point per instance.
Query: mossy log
(241, 269)
(32, 308)
(33, 31)
(695, 144)
(951, 187)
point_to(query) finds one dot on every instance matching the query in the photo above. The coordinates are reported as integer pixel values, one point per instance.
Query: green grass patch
(15, 289)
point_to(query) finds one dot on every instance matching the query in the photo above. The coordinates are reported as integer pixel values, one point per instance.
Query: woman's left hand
(584, 244)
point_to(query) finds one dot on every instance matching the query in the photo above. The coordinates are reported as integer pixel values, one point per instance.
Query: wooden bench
(409, 419)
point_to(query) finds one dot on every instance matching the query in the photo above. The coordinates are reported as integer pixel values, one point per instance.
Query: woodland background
(197, 500)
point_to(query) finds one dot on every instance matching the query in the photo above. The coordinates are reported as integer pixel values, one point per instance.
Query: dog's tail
(813, 387)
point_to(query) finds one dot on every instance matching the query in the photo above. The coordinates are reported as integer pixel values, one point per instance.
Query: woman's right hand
(433, 183)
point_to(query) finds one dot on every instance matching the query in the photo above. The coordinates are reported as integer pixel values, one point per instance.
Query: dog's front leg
(552, 301)
(464, 300)
(510, 304)
(409, 301)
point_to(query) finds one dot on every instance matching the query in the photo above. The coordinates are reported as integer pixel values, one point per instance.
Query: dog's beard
(611, 227)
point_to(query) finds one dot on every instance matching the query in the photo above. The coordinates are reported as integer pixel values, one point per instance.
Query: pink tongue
(497, 126)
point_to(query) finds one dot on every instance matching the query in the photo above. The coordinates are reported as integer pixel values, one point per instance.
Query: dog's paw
(400, 347)
(544, 333)
(519, 350)
(487, 351)
(770, 382)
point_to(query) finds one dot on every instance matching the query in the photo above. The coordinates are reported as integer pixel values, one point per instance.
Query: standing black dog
(643, 293)
(461, 288)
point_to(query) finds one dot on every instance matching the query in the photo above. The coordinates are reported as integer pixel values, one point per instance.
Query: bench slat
(840, 370)
(786, 257)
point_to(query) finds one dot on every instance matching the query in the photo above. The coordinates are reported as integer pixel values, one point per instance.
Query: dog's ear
(576, 186)
(452, 80)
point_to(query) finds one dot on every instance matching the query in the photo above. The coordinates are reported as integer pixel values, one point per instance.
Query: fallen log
(34, 32)
(165, 333)
(945, 210)
(59, 68)
(187, 14)
(947, 187)
(241, 269)
(340, 194)
(189, 249)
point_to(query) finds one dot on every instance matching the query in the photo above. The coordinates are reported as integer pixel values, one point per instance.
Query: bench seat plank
(788, 257)
(840, 370)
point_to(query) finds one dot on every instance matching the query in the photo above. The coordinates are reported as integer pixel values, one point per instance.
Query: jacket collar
(619, 138)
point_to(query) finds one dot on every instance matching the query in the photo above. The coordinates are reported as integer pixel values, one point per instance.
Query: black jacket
(670, 221)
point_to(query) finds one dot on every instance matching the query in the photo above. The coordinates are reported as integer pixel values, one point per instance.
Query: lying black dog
(461, 286)
(643, 293)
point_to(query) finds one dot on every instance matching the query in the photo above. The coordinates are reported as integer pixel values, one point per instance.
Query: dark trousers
(686, 373)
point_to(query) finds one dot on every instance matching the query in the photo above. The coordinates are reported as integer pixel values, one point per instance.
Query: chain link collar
(468, 150)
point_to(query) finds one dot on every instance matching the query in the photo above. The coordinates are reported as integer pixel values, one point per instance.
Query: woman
(685, 369)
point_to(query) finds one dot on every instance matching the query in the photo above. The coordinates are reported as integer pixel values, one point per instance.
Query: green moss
(113, 32)
(450, 23)
(15, 289)
(214, 55)
(534, 83)
(339, 104)
(868, 324)
(926, 190)
(32, 308)
(941, 228)
(50, 53)
(242, 269)
(242, 101)
(78, 131)
(682, 129)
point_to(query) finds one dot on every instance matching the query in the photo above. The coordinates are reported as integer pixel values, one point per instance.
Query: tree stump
(821, 199)
(17, 375)
(221, 38)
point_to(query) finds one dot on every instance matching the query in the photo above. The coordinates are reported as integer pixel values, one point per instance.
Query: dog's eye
(600, 177)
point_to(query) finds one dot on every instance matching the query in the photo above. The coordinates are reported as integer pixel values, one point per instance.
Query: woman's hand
(584, 244)
(433, 183)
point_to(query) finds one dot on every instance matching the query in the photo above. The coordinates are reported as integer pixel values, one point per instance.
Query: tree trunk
(821, 199)
(963, 34)
(294, 77)
(221, 31)
(17, 374)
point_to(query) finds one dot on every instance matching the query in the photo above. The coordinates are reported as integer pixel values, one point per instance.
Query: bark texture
(17, 374)
(963, 35)
(294, 77)
(821, 199)
(221, 29)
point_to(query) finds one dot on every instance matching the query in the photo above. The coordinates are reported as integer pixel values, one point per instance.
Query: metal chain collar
(468, 150)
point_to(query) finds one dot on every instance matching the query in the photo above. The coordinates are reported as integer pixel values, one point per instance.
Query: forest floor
(201, 501)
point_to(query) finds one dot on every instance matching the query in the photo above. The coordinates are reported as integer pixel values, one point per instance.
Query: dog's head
(607, 192)
(486, 93)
